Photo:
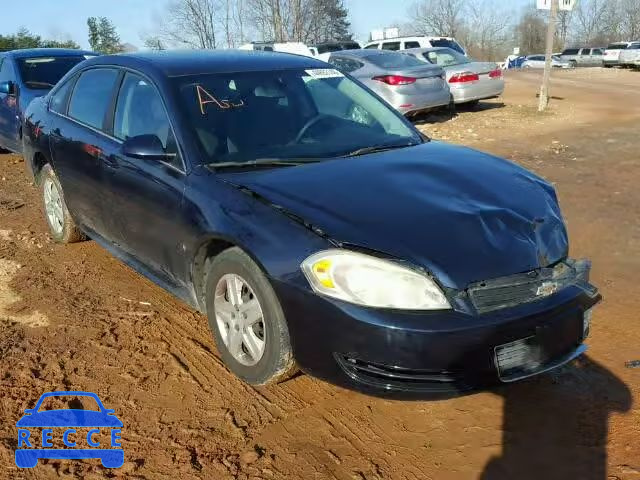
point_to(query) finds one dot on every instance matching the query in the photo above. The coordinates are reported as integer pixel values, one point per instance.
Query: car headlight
(372, 282)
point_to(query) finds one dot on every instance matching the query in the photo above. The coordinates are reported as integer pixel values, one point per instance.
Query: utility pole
(551, 33)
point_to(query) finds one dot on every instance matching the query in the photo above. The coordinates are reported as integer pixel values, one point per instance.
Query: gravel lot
(74, 318)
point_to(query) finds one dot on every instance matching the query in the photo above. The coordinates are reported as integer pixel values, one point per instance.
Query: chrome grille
(526, 287)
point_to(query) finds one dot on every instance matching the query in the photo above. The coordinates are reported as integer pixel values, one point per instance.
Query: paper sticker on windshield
(324, 73)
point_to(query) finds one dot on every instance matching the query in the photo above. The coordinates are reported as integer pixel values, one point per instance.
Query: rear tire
(61, 226)
(233, 280)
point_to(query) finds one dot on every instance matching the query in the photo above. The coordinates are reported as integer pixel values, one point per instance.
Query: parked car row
(313, 225)
(24, 75)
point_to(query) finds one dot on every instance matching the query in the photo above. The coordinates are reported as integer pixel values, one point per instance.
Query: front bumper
(440, 351)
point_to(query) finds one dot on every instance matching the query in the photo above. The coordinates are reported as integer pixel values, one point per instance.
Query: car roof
(336, 42)
(47, 52)
(427, 49)
(413, 37)
(175, 63)
(363, 53)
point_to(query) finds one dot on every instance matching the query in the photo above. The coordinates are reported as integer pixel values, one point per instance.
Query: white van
(297, 48)
(404, 43)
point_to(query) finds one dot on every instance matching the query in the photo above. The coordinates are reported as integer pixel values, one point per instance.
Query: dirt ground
(74, 318)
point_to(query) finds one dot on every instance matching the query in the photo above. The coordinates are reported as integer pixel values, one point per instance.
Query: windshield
(45, 72)
(443, 42)
(394, 61)
(288, 114)
(446, 57)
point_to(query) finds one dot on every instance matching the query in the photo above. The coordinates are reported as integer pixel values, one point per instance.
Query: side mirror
(8, 88)
(146, 147)
(29, 411)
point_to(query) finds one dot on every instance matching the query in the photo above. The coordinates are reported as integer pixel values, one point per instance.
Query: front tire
(247, 320)
(61, 226)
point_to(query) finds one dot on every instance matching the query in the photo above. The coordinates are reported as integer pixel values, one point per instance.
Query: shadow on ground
(556, 427)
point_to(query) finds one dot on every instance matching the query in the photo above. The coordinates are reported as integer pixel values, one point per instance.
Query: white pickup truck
(630, 57)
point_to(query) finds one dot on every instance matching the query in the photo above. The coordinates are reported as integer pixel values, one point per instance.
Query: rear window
(617, 46)
(329, 48)
(446, 57)
(394, 61)
(45, 72)
(444, 42)
(570, 51)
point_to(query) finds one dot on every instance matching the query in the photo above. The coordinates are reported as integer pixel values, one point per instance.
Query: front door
(145, 197)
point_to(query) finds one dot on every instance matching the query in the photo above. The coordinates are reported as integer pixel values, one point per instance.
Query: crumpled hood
(464, 215)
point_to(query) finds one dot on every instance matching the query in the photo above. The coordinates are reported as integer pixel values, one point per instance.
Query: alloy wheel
(53, 206)
(240, 319)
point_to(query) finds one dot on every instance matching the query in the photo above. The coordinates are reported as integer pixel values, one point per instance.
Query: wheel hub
(240, 319)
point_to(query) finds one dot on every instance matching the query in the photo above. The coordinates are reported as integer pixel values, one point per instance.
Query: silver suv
(583, 57)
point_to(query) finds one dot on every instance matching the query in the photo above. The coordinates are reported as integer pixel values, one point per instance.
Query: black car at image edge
(313, 225)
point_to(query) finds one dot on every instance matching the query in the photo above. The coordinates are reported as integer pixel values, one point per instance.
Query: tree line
(230, 23)
(25, 39)
(490, 29)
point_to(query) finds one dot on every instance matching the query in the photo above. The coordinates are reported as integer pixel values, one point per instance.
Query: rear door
(597, 57)
(584, 58)
(9, 114)
(78, 141)
(144, 198)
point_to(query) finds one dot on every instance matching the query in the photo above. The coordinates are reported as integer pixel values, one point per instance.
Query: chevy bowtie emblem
(546, 289)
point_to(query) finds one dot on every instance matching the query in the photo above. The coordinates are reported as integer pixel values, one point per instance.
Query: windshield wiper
(376, 149)
(262, 162)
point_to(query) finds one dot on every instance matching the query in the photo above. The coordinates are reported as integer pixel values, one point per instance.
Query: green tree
(25, 39)
(103, 36)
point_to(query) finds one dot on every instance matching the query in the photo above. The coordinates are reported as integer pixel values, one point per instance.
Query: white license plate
(523, 354)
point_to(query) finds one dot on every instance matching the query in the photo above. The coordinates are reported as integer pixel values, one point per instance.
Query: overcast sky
(67, 19)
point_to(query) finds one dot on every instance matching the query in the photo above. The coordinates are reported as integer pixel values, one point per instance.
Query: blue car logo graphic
(69, 419)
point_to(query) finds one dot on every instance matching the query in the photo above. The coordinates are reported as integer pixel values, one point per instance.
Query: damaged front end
(513, 290)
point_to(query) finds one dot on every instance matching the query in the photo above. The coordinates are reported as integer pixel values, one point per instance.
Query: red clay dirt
(74, 318)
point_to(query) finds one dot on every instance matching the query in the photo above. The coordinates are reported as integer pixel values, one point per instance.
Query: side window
(596, 51)
(7, 72)
(395, 46)
(372, 46)
(60, 98)
(140, 111)
(91, 96)
(585, 51)
(408, 45)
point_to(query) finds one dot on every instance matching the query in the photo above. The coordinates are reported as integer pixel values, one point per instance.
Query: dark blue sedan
(313, 225)
(24, 75)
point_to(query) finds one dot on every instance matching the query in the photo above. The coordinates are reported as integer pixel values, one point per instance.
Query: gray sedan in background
(469, 81)
(408, 85)
(538, 61)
